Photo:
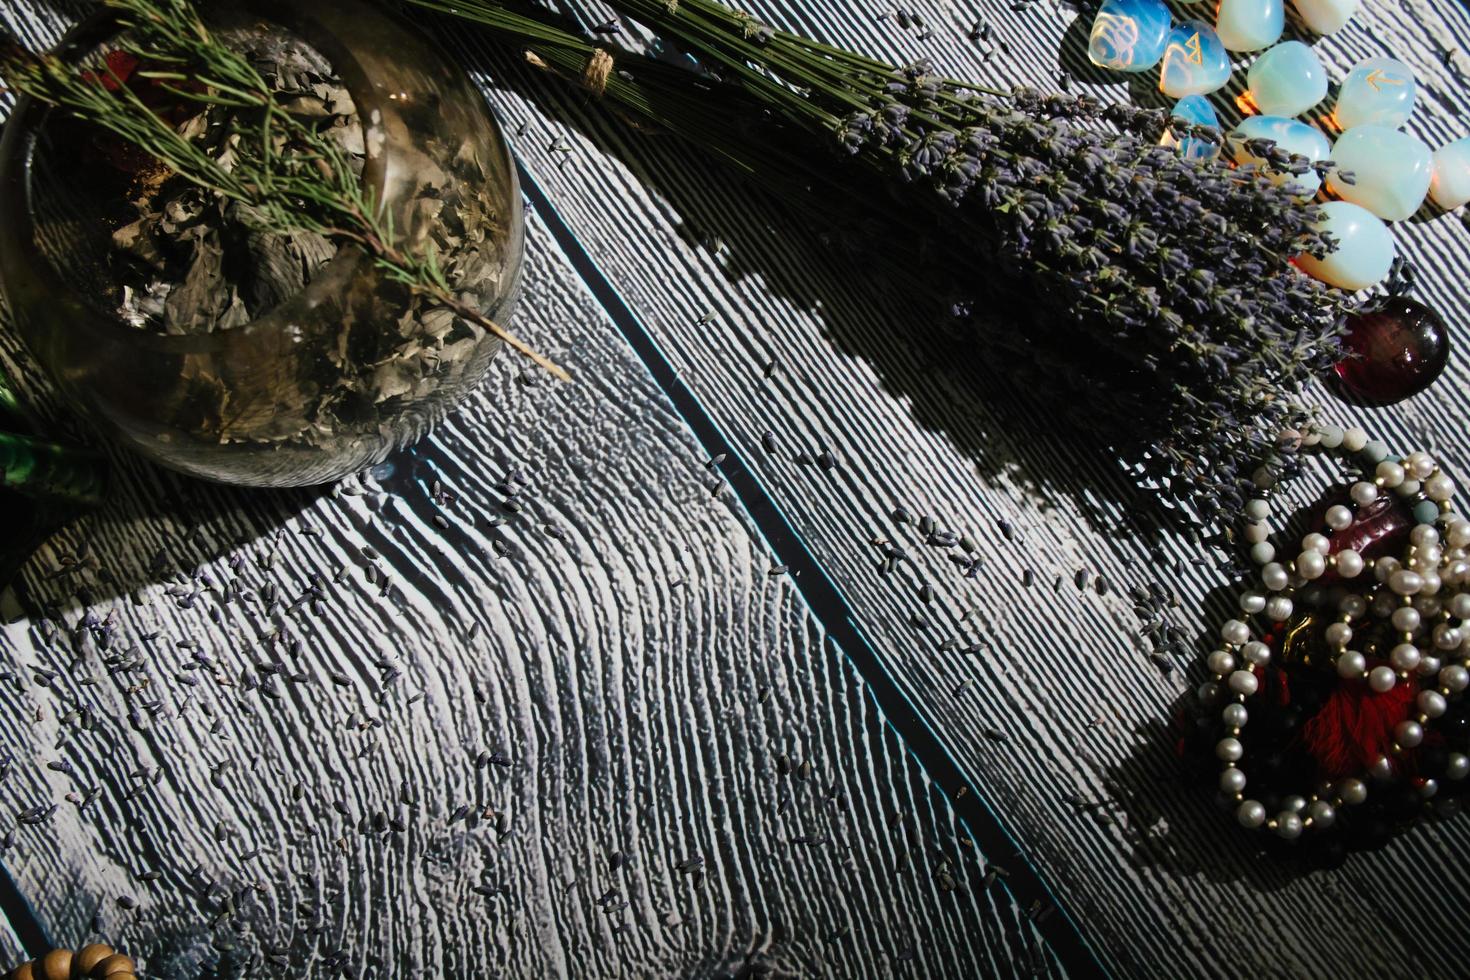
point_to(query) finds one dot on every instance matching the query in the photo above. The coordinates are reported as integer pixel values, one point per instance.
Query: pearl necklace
(1424, 598)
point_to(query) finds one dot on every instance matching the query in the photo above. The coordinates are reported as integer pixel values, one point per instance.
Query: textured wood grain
(257, 715)
(1060, 719)
(627, 677)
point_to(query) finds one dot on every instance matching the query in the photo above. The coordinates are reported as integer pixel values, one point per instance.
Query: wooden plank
(638, 710)
(1063, 707)
(12, 950)
(632, 686)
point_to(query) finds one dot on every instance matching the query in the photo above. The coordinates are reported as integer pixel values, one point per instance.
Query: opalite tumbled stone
(1364, 253)
(1195, 109)
(1195, 62)
(1249, 25)
(1291, 135)
(1450, 185)
(1378, 91)
(1326, 16)
(1389, 170)
(1287, 80)
(1128, 35)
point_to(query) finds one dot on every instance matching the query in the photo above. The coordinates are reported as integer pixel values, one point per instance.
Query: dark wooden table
(696, 725)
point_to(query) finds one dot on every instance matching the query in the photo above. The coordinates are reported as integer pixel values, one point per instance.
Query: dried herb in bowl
(295, 284)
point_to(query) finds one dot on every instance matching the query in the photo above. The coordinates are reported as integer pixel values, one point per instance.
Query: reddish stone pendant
(1401, 347)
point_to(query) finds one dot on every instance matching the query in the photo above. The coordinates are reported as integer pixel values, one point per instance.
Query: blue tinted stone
(1450, 186)
(1287, 80)
(1364, 251)
(1195, 109)
(1390, 169)
(1378, 92)
(1128, 35)
(1292, 136)
(1195, 62)
(1250, 25)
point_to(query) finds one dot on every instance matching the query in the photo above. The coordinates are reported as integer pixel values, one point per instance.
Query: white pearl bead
(1384, 604)
(1257, 509)
(1322, 814)
(1228, 749)
(1316, 542)
(1446, 637)
(1311, 565)
(1384, 567)
(1275, 576)
(1251, 814)
(1460, 605)
(1382, 768)
(1405, 582)
(1352, 791)
(1352, 605)
(1279, 607)
(1439, 488)
(1429, 666)
(1432, 583)
(1232, 781)
(1208, 692)
(1338, 517)
(1235, 715)
(1407, 489)
(1262, 552)
(1460, 534)
(1235, 632)
(1288, 826)
(1349, 563)
(1244, 682)
(1257, 532)
(1427, 556)
(1354, 439)
(1405, 656)
(1454, 678)
(1408, 734)
(1457, 766)
(1338, 634)
(1432, 703)
(1427, 605)
(1405, 619)
(1257, 653)
(1252, 602)
(1391, 474)
(1351, 664)
(1428, 788)
(1382, 679)
(1363, 493)
(1420, 464)
(1220, 662)
(1424, 535)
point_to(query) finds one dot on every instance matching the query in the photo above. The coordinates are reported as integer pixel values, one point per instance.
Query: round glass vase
(334, 378)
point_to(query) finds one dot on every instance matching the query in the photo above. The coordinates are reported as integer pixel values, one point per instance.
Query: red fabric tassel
(1356, 725)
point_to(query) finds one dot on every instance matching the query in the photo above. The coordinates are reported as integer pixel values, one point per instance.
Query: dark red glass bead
(1401, 346)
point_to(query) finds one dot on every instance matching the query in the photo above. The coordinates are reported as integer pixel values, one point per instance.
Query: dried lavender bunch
(1176, 272)
(289, 175)
(1157, 289)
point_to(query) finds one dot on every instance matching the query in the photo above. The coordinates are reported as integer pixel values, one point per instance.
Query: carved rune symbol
(1378, 79)
(1196, 54)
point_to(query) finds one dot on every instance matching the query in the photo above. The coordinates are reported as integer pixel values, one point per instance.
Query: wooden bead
(23, 972)
(113, 966)
(55, 965)
(87, 957)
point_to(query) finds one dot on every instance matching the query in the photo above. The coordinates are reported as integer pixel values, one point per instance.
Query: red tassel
(1356, 725)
